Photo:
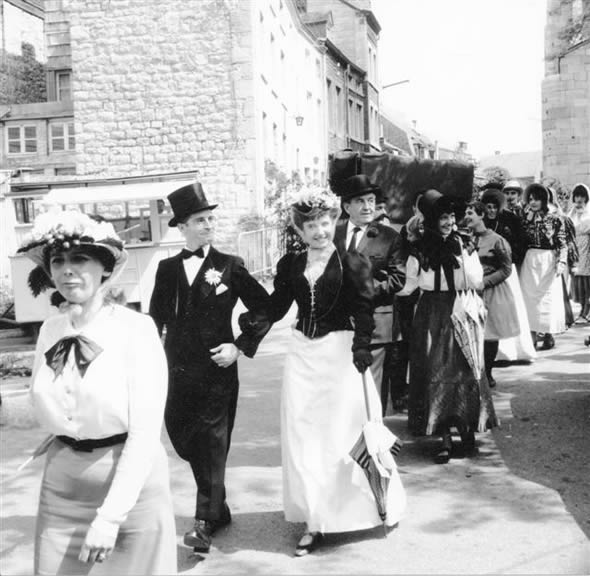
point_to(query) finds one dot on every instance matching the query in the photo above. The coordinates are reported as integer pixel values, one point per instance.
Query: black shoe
(308, 543)
(548, 342)
(442, 456)
(199, 538)
(491, 381)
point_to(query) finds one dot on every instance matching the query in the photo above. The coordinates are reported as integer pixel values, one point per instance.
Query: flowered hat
(311, 202)
(68, 229)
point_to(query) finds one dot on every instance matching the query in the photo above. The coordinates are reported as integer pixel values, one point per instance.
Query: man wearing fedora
(381, 244)
(194, 295)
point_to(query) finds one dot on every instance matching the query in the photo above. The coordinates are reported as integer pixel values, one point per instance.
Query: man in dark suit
(193, 299)
(381, 244)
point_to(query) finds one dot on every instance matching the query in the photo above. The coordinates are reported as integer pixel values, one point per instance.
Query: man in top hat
(194, 296)
(382, 245)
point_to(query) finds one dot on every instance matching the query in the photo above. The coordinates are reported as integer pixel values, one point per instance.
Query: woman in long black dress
(445, 391)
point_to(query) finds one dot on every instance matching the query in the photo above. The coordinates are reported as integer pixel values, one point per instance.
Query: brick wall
(160, 90)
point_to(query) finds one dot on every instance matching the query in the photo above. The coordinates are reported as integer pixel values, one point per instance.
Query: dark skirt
(443, 391)
(74, 485)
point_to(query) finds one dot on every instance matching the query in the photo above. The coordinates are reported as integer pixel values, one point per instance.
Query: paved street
(521, 507)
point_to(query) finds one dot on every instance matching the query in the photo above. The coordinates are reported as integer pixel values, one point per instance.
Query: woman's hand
(97, 546)
(560, 268)
(362, 359)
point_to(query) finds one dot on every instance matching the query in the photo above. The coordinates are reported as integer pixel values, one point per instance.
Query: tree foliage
(278, 187)
(496, 174)
(22, 78)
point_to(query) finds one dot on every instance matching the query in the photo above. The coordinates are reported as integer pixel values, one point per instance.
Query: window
(131, 218)
(25, 210)
(63, 89)
(22, 139)
(65, 171)
(62, 137)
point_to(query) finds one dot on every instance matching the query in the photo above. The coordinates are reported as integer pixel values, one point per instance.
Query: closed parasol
(373, 453)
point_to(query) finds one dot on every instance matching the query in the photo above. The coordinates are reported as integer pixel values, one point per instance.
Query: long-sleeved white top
(468, 275)
(124, 390)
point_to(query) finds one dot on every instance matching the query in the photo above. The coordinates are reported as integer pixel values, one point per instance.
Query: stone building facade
(566, 92)
(352, 43)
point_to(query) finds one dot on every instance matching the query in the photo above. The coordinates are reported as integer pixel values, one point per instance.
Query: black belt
(89, 445)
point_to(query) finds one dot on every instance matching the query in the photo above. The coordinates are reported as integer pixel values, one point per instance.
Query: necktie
(188, 254)
(352, 245)
(85, 351)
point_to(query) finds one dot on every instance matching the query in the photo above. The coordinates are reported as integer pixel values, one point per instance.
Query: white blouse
(123, 390)
(468, 275)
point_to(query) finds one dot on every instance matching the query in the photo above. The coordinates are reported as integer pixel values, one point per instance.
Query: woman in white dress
(99, 385)
(580, 215)
(322, 404)
(544, 263)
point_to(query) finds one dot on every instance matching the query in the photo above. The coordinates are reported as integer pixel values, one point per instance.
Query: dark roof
(34, 7)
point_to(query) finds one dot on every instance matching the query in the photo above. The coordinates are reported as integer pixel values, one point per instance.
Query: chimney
(414, 124)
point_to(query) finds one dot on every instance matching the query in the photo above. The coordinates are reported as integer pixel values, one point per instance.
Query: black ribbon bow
(85, 351)
(186, 254)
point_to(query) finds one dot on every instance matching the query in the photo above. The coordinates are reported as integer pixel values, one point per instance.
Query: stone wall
(566, 101)
(167, 89)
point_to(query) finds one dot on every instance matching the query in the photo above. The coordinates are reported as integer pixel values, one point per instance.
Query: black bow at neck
(186, 254)
(85, 351)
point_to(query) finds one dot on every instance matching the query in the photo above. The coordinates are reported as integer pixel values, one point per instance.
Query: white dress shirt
(193, 265)
(350, 231)
(123, 390)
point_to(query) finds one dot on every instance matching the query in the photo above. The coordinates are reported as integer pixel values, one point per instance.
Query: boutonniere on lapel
(372, 232)
(213, 278)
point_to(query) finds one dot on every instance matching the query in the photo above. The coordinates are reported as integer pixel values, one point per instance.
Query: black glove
(362, 359)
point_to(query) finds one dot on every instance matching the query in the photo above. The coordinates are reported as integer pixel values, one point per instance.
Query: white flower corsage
(213, 276)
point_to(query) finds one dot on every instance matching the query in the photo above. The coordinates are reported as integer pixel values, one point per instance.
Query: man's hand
(560, 268)
(225, 354)
(97, 546)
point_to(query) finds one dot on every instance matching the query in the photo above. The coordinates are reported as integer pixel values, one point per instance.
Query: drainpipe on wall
(346, 110)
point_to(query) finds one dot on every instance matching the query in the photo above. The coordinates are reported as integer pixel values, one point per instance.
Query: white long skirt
(543, 292)
(322, 415)
(518, 347)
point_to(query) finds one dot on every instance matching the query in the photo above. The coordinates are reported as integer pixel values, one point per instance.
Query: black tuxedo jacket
(214, 305)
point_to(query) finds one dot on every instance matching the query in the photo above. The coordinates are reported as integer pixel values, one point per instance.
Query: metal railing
(261, 250)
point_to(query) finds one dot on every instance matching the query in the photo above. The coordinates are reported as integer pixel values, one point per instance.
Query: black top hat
(186, 201)
(358, 185)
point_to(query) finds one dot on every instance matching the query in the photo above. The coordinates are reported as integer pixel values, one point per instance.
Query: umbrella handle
(366, 393)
